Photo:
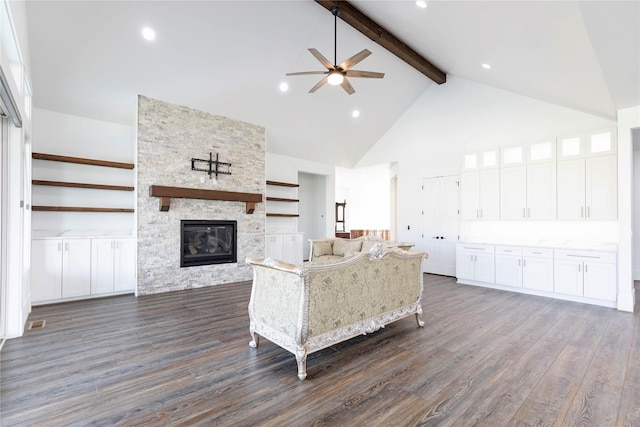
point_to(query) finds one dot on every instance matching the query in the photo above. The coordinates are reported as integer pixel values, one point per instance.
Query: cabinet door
(568, 277)
(541, 191)
(601, 188)
(292, 248)
(101, 266)
(490, 194)
(571, 189)
(46, 270)
(124, 263)
(273, 246)
(600, 281)
(465, 265)
(76, 267)
(537, 273)
(484, 268)
(513, 192)
(470, 195)
(509, 270)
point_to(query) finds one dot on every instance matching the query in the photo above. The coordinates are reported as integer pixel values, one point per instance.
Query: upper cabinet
(573, 177)
(595, 143)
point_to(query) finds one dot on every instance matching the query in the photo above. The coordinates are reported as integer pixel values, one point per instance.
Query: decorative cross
(213, 166)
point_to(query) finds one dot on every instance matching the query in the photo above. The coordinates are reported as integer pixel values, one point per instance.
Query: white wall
(285, 169)
(461, 117)
(68, 135)
(628, 119)
(367, 192)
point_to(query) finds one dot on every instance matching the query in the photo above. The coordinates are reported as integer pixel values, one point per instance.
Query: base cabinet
(285, 247)
(576, 275)
(475, 262)
(60, 269)
(77, 267)
(585, 273)
(112, 265)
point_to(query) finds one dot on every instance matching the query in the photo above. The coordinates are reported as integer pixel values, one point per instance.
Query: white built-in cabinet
(586, 273)
(587, 188)
(587, 176)
(480, 195)
(577, 275)
(530, 268)
(112, 265)
(78, 268)
(287, 247)
(60, 269)
(475, 262)
(528, 192)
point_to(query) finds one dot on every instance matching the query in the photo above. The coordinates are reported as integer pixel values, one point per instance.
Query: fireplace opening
(205, 242)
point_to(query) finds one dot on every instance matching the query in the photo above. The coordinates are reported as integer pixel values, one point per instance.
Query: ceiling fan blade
(354, 59)
(369, 74)
(319, 84)
(324, 61)
(347, 87)
(304, 73)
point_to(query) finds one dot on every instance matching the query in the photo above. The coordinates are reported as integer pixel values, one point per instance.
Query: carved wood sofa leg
(301, 358)
(255, 338)
(419, 320)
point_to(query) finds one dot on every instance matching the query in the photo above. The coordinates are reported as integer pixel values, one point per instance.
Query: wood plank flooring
(485, 358)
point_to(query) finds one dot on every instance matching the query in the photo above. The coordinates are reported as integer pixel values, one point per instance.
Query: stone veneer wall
(168, 137)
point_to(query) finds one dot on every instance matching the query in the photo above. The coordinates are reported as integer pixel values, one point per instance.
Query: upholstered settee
(309, 307)
(330, 250)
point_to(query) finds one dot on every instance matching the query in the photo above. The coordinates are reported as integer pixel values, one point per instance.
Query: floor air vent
(37, 324)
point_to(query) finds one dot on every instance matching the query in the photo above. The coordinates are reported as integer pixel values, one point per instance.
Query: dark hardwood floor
(485, 358)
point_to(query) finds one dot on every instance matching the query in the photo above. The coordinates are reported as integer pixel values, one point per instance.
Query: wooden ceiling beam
(367, 26)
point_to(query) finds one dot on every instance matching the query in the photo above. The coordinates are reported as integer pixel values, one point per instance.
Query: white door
(46, 274)
(440, 224)
(490, 194)
(571, 182)
(124, 264)
(601, 185)
(509, 270)
(101, 266)
(541, 191)
(537, 273)
(470, 196)
(76, 267)
(568, 277)
(600, 280)
(513, 192)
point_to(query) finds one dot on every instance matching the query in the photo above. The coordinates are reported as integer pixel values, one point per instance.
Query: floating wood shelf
(283, 215)
(81, 185)
(282, 184)
(166, 193)
(78, 209)
(280, 199)
(82, 161)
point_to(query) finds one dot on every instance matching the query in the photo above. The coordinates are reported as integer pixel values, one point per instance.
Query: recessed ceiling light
(284, 86)
(355, 113)
(421, 3)
(148, 33)
(486, 66)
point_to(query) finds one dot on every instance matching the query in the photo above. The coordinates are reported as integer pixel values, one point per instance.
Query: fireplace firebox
(205, 242)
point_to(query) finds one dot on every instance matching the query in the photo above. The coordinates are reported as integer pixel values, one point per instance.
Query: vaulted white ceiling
(229, 57)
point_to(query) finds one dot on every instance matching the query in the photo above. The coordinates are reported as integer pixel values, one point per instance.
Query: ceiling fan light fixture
(335, 78)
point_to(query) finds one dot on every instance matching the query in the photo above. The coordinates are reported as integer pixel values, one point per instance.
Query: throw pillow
(346, 248)
(368, 244)
(322, 248)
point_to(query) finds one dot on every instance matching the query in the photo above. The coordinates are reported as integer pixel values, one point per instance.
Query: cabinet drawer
(537, 252)
(508, 250)
(475, 247)
(607, 257)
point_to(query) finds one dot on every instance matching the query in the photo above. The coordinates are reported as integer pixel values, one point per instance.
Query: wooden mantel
(166, 193)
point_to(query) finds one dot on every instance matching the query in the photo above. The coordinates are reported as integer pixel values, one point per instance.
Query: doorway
(440, 224)
(635, 203)
(312, 194)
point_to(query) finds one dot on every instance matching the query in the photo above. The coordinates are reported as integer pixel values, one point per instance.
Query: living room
(426, 134)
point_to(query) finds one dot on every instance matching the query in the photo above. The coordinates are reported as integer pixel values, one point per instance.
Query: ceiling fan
(337, 74)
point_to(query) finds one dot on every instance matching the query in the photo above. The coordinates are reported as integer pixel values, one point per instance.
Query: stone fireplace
(168, 137)
(205, 242)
